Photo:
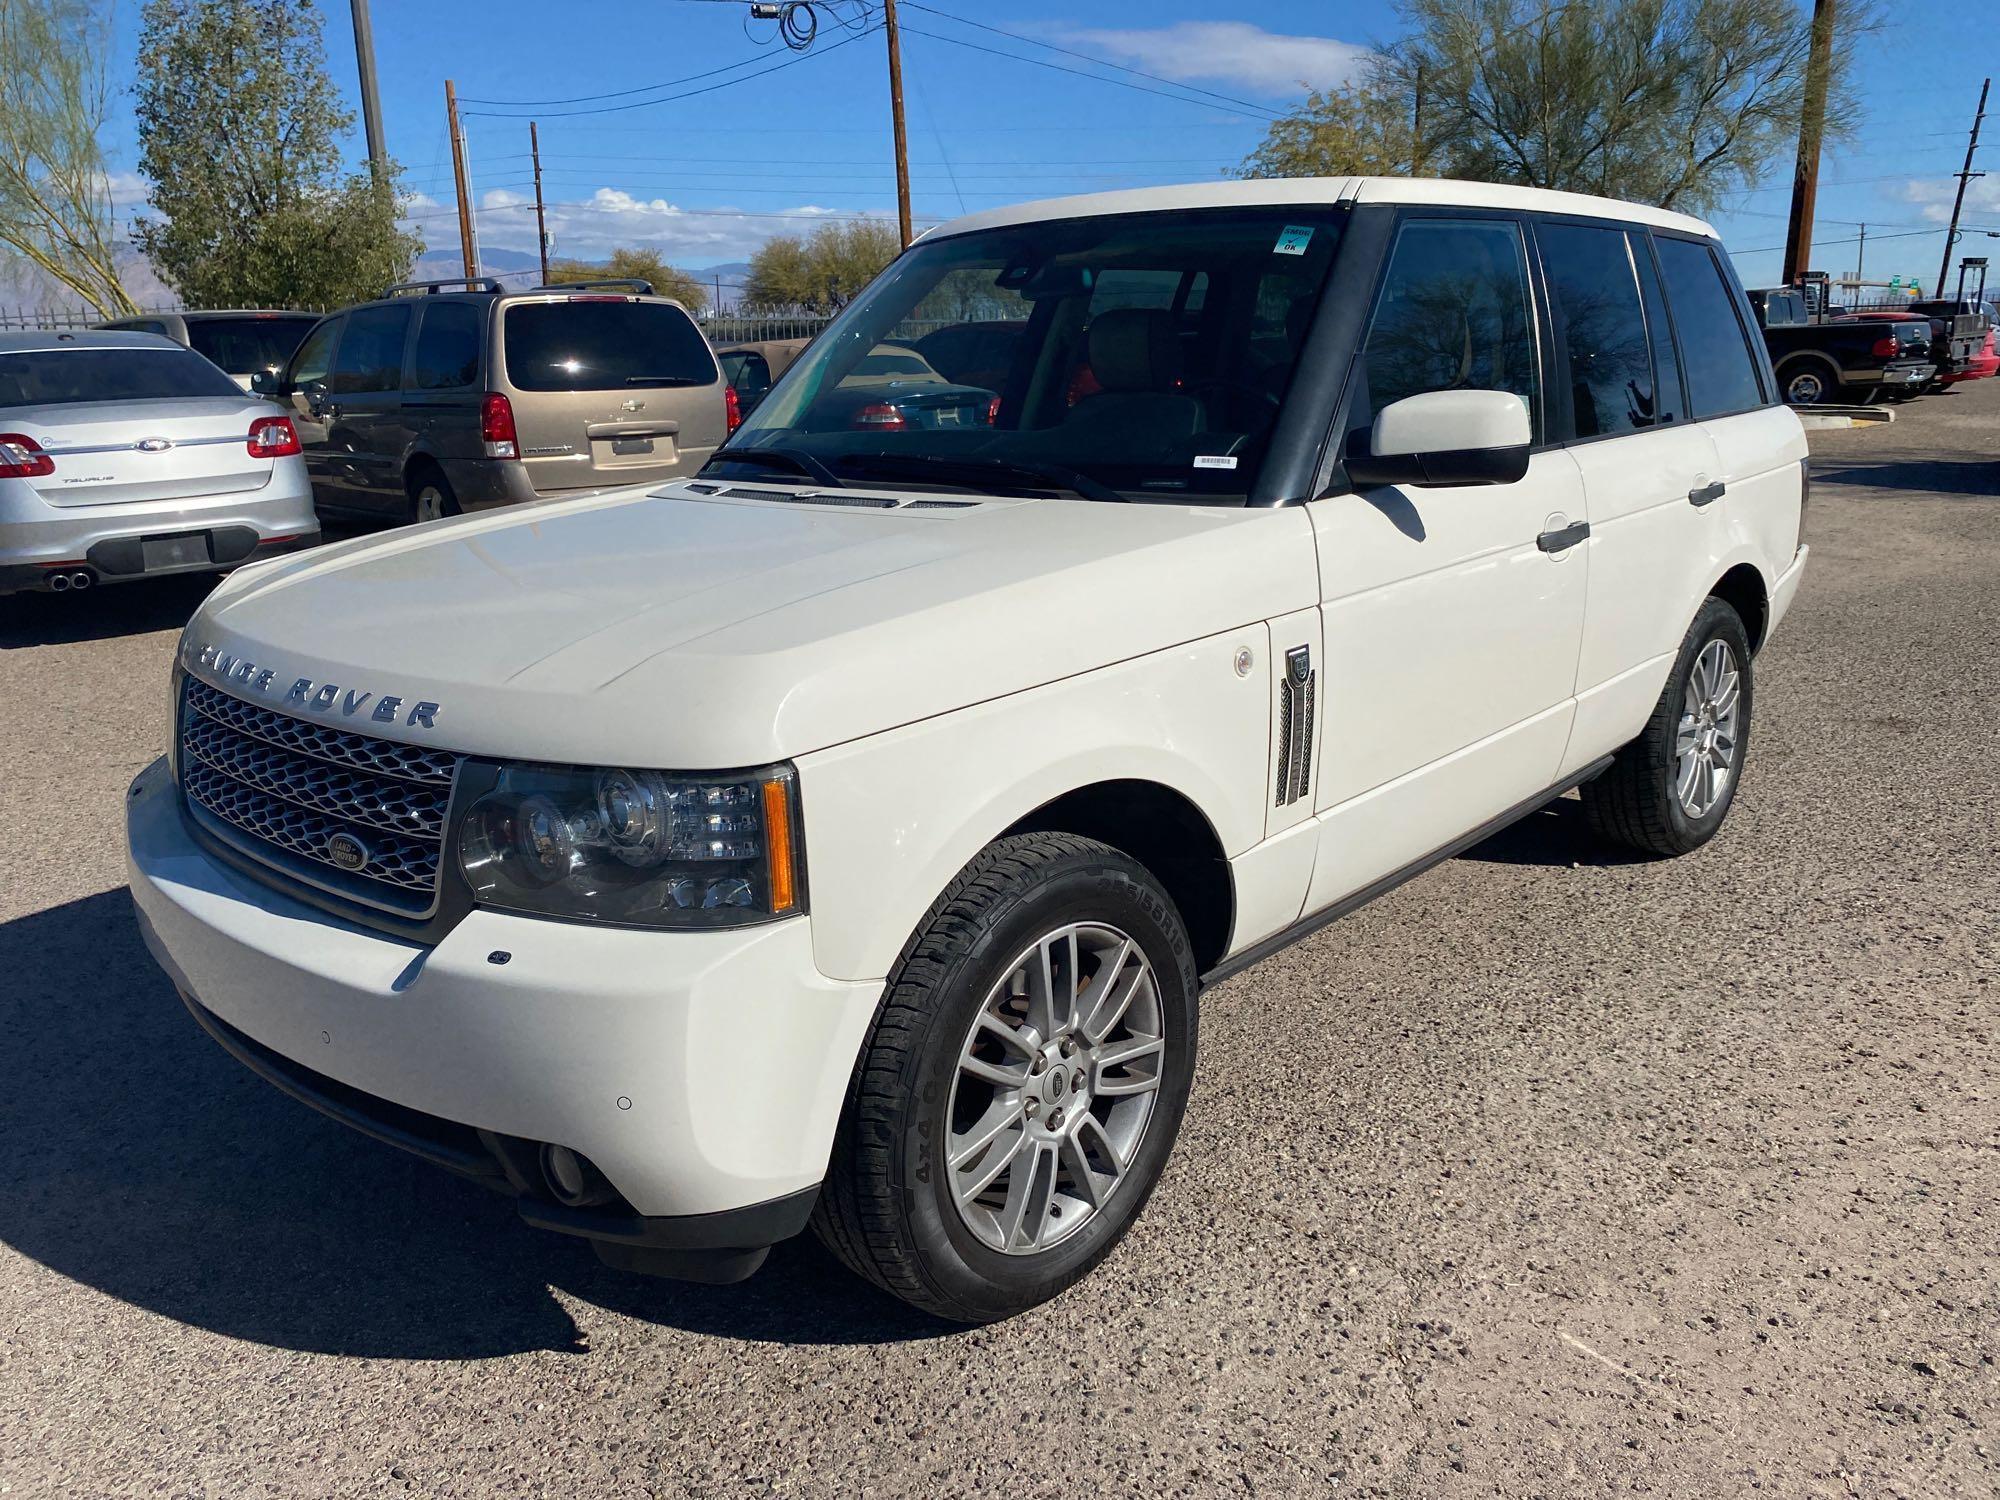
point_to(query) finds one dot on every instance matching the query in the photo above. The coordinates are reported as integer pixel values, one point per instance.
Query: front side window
(603, 344)
(1106, 356)
(312, 361)
(1592, 282)
(1721, 371)
(447, 356)
(371, 355)
(1454, 315)
(65, 377)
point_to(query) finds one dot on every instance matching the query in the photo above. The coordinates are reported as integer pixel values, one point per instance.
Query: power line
(644, 88)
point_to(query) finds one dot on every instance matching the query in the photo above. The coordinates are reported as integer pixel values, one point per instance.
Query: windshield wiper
(993, 476)
(789, 459)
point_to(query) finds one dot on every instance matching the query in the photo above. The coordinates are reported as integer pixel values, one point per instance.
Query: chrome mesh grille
(284, 788)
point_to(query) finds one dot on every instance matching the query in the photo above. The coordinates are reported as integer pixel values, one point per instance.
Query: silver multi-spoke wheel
(1706, 739)
(1807, 388)
(429, 503)
(1055, 1088)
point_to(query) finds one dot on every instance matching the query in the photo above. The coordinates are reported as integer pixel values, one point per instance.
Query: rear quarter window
(1715, 347)
(600, 346)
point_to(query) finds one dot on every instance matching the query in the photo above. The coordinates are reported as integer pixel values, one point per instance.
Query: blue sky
(707, 178)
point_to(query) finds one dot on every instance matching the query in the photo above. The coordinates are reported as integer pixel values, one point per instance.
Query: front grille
(284, 790)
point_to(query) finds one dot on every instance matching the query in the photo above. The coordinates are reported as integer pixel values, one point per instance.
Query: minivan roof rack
(608, 284)
(430, 288)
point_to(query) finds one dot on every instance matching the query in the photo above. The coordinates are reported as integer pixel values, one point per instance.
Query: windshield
(602, 344)
(64, 377)
(248, 346)
(1118, 356)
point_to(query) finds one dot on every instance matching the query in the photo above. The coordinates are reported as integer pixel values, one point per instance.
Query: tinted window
(447, 354)
(1610, 369)
(1453, 315)
(61, 377)
(746, 370)
(313, 359)
(1722, 374)
(1666, 363)
(600, 346)
(247, 346)
(371, 353)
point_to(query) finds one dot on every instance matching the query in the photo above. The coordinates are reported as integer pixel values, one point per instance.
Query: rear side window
(602, 346)
(64, 377)
(371, 355)
(1721, 371)
(447, 356)
(1610, 368)
(247, 346)
(1660, 331)
(1453, 315)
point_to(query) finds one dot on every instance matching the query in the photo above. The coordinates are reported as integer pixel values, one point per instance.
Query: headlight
(642, 848)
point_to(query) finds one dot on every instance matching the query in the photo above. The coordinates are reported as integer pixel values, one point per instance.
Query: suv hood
(689, 627)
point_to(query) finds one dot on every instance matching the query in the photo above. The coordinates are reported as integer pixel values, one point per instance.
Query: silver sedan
(126, 455)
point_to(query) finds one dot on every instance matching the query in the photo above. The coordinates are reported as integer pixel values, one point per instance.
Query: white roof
(1280, 191)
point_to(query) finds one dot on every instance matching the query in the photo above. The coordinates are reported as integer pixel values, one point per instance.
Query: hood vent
(826, 497)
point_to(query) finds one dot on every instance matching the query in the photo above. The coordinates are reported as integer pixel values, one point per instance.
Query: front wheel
(1023, 1085)
(1668, 791)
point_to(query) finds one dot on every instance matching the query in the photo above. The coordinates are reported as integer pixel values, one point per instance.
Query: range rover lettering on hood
(315, 697)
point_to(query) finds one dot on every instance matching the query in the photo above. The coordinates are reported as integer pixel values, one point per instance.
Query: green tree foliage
(238, 132)
(55, 201)
(821, 273)
(1672, 102)
(646, 265)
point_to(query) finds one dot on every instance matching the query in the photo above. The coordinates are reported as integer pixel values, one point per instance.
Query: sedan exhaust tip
(82, 578)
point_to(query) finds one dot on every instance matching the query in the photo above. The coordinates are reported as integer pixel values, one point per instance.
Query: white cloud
(1934, 196)
(1229, 52)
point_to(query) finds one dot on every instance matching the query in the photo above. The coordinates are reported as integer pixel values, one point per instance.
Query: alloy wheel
(1806, 388)
(1706, 740)
(1055, 1088)
(429, 502)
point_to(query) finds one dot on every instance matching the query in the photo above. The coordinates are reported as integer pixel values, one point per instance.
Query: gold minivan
(443, 396)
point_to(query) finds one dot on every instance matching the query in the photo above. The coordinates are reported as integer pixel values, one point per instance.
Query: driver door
(1452, 616)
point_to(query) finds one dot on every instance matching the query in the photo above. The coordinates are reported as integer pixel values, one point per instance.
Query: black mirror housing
(1442, 469)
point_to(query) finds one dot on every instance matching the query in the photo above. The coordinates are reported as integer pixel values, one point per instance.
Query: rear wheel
(1809, 382)
(431, 497)
(1668, 791)
(1023, 1085)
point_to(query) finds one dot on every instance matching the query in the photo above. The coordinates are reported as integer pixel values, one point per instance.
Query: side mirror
(1446, 438)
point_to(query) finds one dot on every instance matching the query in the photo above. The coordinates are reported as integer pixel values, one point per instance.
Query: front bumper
(38, 539)
(702, 1073)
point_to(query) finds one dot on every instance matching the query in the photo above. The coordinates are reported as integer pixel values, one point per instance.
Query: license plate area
(187, 549)
(632, 451)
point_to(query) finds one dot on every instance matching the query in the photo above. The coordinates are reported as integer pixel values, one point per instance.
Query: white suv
(844, 835)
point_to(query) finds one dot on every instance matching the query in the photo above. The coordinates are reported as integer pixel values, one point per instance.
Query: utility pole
(1812, 123)
(1860, 259)
(896, 114)
(541, 225)
(1417, 124)
(1957, 204)
(371, 97)
(458, 174)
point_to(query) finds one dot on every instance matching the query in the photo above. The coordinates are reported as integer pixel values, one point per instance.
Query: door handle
(1707, 493)
(1565, 538)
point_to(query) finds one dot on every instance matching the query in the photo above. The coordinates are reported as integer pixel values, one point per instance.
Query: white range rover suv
(843, 835)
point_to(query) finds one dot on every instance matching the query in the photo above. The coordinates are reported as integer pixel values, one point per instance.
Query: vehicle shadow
(1937, 476)
(1556, 835)
(96, 614)
(144, 1162)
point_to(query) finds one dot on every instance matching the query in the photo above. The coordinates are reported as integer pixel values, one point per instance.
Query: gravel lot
(1548, 1175)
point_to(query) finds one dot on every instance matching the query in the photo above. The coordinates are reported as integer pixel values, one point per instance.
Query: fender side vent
(1296, 696)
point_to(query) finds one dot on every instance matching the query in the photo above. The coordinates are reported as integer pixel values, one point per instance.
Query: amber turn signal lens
(778, 844)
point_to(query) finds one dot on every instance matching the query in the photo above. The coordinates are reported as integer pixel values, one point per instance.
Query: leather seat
(1135, 355)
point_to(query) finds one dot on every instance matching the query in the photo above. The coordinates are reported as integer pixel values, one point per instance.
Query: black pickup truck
(1821, 358)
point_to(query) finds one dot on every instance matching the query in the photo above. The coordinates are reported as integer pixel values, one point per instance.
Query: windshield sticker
(1217, 460)
(1293, 239)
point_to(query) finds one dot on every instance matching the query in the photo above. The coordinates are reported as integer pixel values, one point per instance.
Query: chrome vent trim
(1296, 712)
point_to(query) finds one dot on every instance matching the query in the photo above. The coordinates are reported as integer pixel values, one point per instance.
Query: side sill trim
(1308, 925)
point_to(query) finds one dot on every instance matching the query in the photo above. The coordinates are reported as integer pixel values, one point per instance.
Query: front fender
(890, 819)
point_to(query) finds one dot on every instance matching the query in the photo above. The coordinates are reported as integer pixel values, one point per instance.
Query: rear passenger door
(1451, 634)
(1624, 416)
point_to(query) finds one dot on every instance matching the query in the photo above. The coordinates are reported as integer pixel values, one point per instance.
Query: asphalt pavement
(1551, 1174)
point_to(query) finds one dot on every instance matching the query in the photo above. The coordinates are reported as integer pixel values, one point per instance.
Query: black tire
(429, 477)
(1809, 381)
(886, 1209)
(1634, 803)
